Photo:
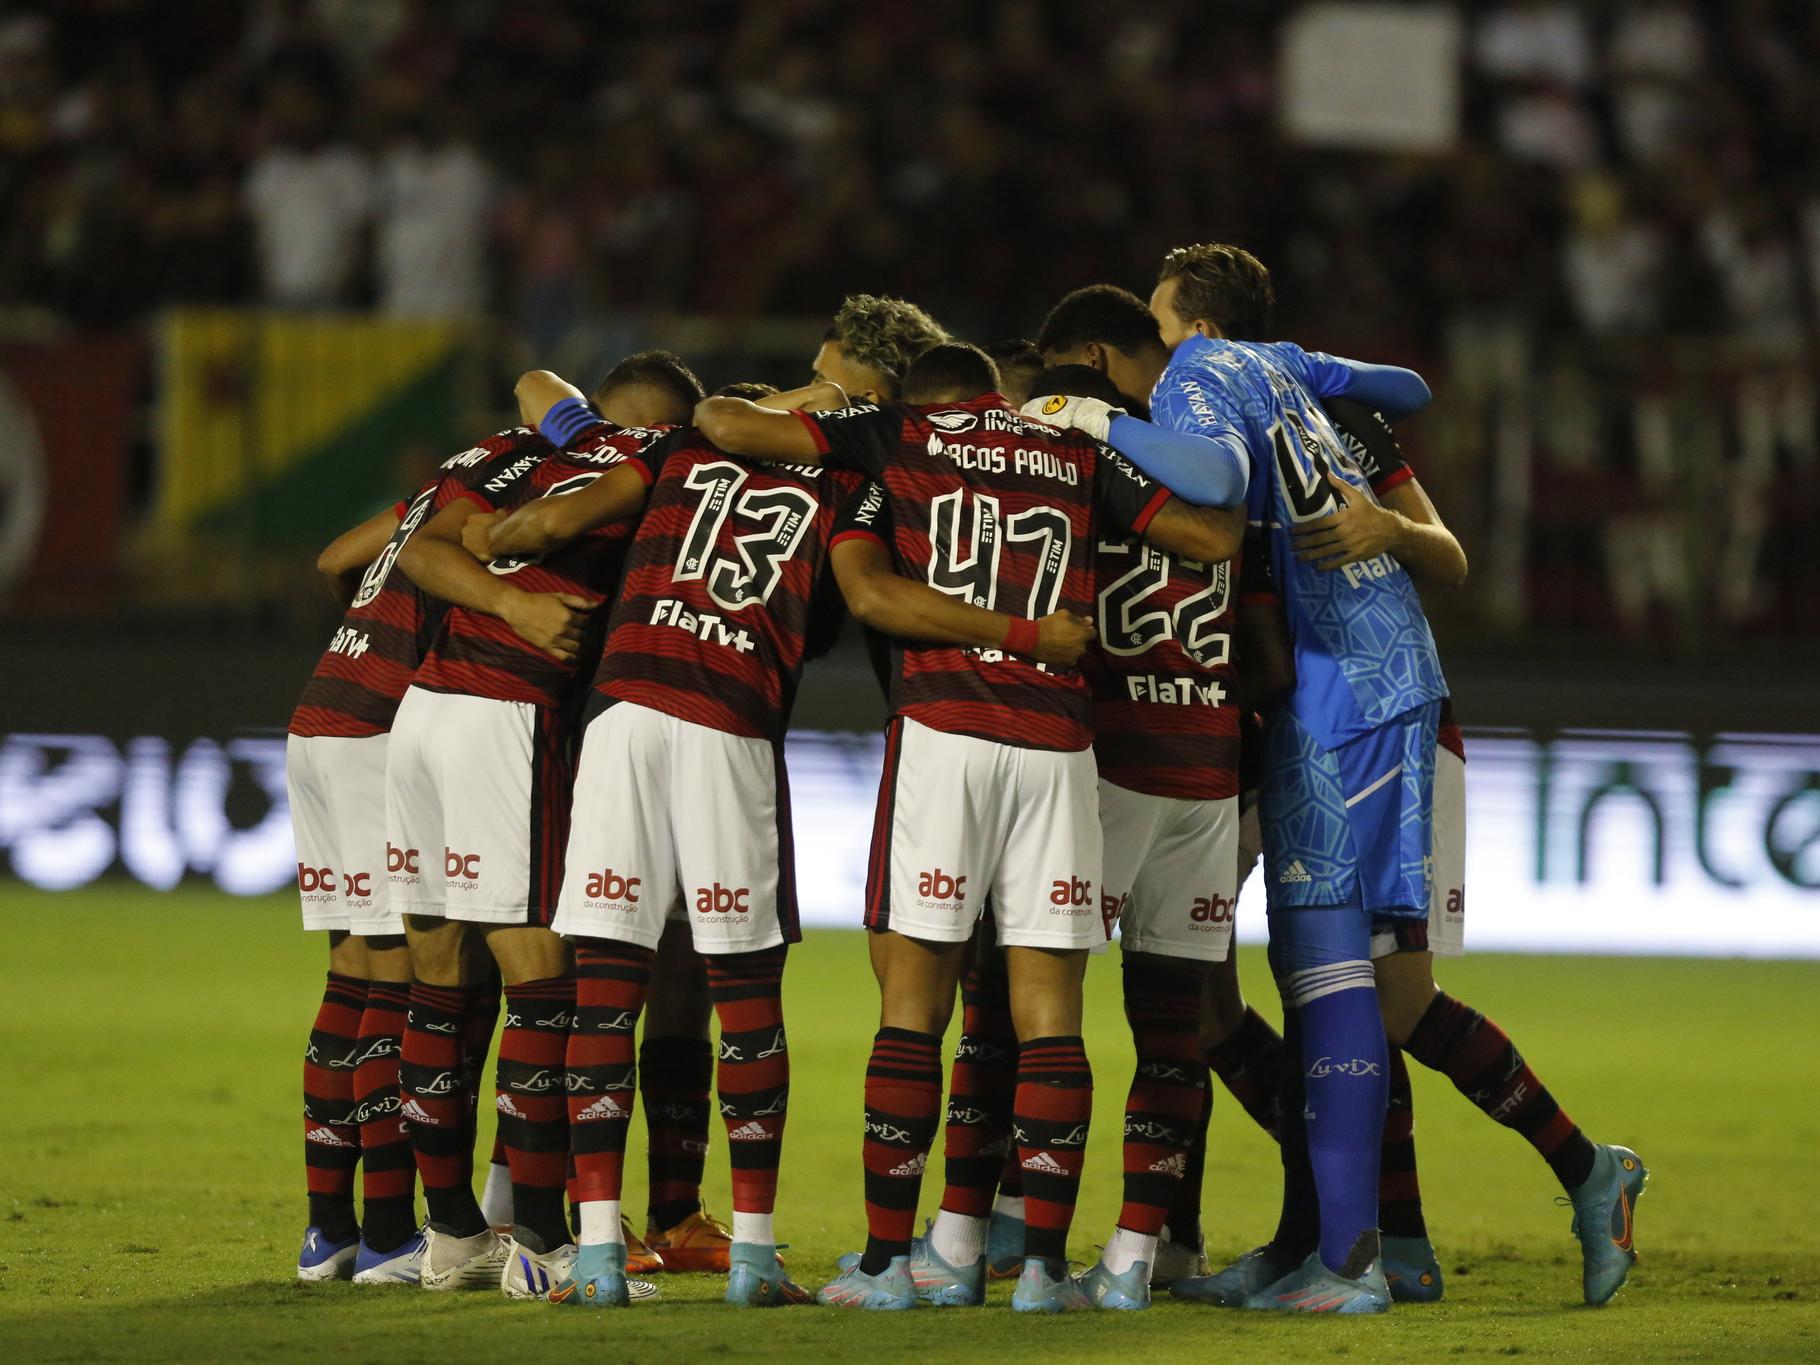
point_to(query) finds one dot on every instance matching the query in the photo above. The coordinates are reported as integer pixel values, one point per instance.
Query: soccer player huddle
(1142, 595)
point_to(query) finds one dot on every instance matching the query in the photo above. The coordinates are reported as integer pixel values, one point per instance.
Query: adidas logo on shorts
(916, 1165)
(750, 1132)
(326, 1137)
(1044, 1163)
(1295, 872)
(503, 1103)
(1175, 1164)
(606, 1107)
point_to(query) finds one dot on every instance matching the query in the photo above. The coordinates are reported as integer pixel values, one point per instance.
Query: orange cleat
(699, 1242)
(640, 1258)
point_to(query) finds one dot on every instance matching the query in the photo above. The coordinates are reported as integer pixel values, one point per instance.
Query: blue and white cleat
(756, 1279)
(400, 1265)
(1257, 1269)
(1004, 1246)
(1358, 1286)
(320, 1259)
(596, 1278)
(530, 1273)
(1039, 1291)
(1605, 1210)
(1128, 1290)
(890, 1291)
(944, 1285)
(1411, 1269)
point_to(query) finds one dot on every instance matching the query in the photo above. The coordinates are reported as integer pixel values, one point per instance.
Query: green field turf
(151, 1192)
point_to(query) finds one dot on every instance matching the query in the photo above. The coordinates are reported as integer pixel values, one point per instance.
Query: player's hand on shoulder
(1358, 529)
(1090, 415)
(552, 621)
(474, 533)
(1062, 637)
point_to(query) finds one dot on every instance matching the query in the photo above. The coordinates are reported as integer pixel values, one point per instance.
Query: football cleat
(1004, 1246)
(700, 1242)
(1177, 1261)
(401, 1265)
(1128, 1289)
(1411, 1269)
(640, 1258)
(320, 1259)
(942, 1284)
(756, 1279)
(451, 1262)
(1358, 1286)
(1229, 1288)
(1605, 1210)
(530, 1273)
(1038, 1291)
(596, 1278)
(890, 1291)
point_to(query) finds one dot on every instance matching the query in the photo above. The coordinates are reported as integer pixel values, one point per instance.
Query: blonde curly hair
(884, 334)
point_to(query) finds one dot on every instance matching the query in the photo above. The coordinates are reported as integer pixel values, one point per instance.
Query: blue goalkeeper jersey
(1363, 651)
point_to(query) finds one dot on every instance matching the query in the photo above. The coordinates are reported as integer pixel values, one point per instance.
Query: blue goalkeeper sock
(1322, 959)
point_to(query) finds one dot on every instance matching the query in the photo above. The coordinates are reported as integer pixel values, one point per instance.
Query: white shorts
(476, 808)
(963, 819)
(1444, 934)
(337, 791)
(1171, 872)
(673, 816)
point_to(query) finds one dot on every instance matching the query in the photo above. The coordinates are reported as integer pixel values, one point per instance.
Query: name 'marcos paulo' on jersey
(372, 656)
(714, 611)
(1363, 650)
(1001, 511)
(480, 655)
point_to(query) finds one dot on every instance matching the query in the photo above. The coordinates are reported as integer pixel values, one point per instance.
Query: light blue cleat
(890, 1291)
(401, 1265)
(1605, 1210)
(1358, 1286)
(1412, 1270)
(1038, 1291)
(1257, 1269)
(596, 1279)
(944, 1285)
(321, 1259)
(756, 1279)
(1004, 1246)
(1128, 1290)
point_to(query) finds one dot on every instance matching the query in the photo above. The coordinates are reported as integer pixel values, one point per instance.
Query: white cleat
(451, 1262)
(533, 1274)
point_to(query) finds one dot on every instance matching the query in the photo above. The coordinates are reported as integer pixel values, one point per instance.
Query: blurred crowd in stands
(1631, 176)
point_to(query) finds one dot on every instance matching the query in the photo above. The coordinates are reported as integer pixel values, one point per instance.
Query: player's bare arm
(819, 395)
(348, 555)
(435, 560)
(538, 391)
(545, 524)
(880, 597)
(1212, 535)
(1405, 524)
(740, 427)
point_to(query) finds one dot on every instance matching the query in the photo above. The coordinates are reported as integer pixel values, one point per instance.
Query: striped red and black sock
(388, 1173)
(675, 1076)
(1168, 1087)
(1050, 1115)
(903, 1107)
(611, 983)
(981, 1087)
(1399, 1192)
(1184, 1220)
(1485, 1066)
(1249, 1064)
(331, 1124)
(754, 1073)
(439, 1106)
(531, 1096)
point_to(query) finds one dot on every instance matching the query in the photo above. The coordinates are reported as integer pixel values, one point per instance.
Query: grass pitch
(151, 1196)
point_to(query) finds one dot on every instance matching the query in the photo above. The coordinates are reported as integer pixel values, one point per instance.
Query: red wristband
(1021, 637)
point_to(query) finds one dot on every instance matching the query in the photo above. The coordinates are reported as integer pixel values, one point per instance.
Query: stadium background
(263, 263)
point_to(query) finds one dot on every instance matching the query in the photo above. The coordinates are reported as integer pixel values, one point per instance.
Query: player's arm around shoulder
(1212, 535)
(774, 429)
(1402, 523)
(347, 556)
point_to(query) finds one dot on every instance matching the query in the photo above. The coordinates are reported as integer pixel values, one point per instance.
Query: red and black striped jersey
(1001, 511)
(389, 625)
(1165, 709)
(480, 655)
(715, 608)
